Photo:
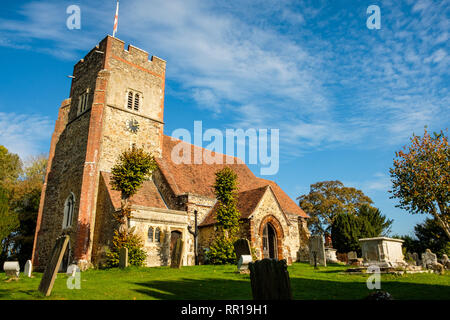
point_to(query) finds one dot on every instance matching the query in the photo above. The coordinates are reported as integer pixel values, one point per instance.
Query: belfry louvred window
(134, 100)
(130, 100)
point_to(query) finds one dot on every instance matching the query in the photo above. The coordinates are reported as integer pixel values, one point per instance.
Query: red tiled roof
(199, 178)
(147, 195)
(246, 204)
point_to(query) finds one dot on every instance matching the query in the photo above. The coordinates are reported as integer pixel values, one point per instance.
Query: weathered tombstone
(123, 257)
(415, 257)
(242, 247)
(330, 254)
(177, 254)
(445, 261)
(28, 269)
(428, 259)
(317, 251)
(12, 269)
(270, 280)
(48, 278)
(243, 262)
(352, 255)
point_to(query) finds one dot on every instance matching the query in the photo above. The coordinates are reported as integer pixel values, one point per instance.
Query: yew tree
(421, 177)
(227, 216)
(128, 175)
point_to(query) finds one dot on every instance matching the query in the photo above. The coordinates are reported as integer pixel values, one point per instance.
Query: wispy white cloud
(311, 69)
(25, 135)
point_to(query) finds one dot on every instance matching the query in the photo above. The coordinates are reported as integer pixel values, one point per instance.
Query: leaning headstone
(123, 257)
(317, 251)
(48, 279)
(28, 269)
(243, 262)
(177, 254)
(270, 280)
(428, 259)
(12, 269)
(242, 247)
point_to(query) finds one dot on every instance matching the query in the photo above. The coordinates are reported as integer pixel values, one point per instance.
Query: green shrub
(136, 254)
(221, 251)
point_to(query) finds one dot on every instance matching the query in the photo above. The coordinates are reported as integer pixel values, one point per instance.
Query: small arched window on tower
(68, 211)
(158, 235)
(150, 234)
(130, 100)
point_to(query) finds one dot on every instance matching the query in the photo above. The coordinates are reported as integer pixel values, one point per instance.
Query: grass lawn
(221, 282)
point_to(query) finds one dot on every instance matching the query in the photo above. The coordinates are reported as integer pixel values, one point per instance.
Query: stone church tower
(117, 101)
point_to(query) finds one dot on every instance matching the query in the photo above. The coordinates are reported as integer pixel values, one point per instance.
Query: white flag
(116, 19)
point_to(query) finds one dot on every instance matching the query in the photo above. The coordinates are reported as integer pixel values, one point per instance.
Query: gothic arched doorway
(269, 239)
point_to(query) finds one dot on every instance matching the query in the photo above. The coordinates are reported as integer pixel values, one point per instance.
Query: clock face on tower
(132, 125)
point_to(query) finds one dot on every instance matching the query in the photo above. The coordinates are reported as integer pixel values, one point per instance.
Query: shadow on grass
(189, 289)
(302, 289)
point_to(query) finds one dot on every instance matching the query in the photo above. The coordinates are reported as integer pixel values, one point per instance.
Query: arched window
(136, 102)
(157, 235)
(130, 100)
(150, 234)
(68, 211)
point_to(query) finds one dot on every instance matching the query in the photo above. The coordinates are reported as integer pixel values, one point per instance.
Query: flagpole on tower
(116, 19)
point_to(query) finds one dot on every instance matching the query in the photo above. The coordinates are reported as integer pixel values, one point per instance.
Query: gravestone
(415, 257)
(242, 247)
(28, 269)
(12, 269)
(428, 259)
(445, 261)
(270, 280)
(48, 278)
(317, 251)
(123, 257)
(352, 255)
(330, 254)
(243, 262)
(177, 254)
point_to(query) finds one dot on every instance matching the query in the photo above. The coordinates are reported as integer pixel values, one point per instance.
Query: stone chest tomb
(382, 251)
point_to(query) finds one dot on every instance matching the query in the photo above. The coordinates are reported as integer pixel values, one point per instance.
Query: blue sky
(344, 97)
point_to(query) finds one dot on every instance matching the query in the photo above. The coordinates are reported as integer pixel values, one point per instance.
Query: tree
(10, 166)
(227, 216)
(345, 232)
(427, 235)
(380, 224)
(24, 200)
(128, 175)
(348, 228)
(421, 177)
(326, 200)
(8, 224)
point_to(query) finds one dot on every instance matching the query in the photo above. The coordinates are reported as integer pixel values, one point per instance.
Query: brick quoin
(60, 124)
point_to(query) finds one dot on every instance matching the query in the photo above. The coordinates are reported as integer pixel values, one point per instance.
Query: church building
(117, 102)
